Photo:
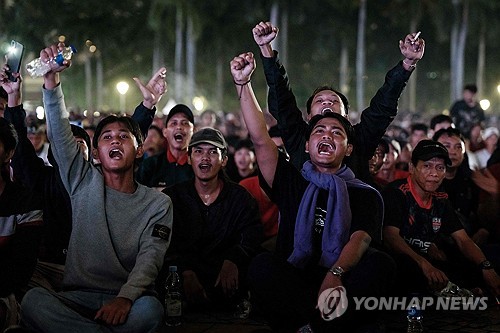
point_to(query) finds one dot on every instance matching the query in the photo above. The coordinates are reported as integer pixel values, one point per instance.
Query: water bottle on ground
(173, 300)
(37, 67)
(415, 318)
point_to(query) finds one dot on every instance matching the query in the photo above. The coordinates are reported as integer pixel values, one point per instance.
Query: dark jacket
(374, 119)
(204, 236)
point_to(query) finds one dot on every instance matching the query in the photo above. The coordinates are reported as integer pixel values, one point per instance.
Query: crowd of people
(272, 211)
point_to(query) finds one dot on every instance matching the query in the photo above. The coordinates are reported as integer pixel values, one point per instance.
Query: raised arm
(384, 105)
(72, 164)
(281, 101)
(152, 92)
(27, 166)
(266, 151)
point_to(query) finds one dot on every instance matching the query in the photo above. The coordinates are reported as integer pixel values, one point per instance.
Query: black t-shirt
(419, 226)
(289, 187)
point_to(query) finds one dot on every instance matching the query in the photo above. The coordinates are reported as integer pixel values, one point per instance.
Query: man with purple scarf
(327, 221)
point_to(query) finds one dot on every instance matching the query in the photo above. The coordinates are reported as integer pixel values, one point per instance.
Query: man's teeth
(325, 110)
(325, 148)
(114, 153)
(178, 137)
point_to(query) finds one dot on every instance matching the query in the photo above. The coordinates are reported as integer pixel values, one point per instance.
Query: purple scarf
(338, 216)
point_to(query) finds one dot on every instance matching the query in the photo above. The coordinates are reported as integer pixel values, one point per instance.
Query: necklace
(210, 198)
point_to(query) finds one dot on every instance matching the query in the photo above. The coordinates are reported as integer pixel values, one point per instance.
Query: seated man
(327, 220)
(171, 167)
(120, 234)
(45, 180)
(463, 193)
(417, 226)
(20, 221)
(217, 227)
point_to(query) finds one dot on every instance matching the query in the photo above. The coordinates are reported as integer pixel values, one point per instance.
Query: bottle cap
(172, 268)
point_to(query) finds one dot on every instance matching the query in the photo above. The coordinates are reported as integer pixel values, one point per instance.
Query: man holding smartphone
(14, 57)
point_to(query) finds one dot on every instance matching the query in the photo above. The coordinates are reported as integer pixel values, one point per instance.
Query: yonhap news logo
(333, 303)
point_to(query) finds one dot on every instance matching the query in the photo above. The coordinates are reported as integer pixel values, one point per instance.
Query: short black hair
(344, 99)
(349, 129)
(419, 127)
(129, 123)
(471, 87)
(440, 118)
(157, 129)
(81, 133)
(450, 131)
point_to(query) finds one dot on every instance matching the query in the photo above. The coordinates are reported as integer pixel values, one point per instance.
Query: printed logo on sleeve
(161, 231)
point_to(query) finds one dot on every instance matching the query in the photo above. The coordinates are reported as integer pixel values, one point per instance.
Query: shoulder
(152, 195)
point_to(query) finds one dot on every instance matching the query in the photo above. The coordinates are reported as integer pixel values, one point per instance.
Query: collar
(172, 159)
(419, 201)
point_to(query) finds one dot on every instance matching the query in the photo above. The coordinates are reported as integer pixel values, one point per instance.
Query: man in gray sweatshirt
(121, 229)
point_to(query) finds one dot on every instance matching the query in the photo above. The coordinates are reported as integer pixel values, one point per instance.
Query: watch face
(486, 265)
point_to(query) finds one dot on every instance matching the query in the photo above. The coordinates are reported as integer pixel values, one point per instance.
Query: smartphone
(14, 57)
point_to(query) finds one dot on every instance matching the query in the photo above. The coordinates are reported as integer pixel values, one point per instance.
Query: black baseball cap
(428, 149)
(209, 135)
(81, 133)
(181, 108)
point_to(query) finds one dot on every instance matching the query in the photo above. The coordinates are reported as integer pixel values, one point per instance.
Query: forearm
(144, 115)
(266, 50)
(66, 152)
(469, 249)
(27, 166)
(397, 244)
(14, 99)
(265, 149)
(353, 250)
(281, 100)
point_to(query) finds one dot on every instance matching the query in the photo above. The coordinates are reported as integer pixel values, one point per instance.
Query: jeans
(43, 311)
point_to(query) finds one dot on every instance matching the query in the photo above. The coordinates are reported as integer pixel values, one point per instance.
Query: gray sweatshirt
(115, 246)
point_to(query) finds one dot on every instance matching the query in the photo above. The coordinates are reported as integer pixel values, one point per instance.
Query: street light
(122, 88)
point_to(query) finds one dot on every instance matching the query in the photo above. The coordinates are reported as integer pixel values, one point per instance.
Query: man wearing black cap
(424, 234)
(216, 226)
(172, 167)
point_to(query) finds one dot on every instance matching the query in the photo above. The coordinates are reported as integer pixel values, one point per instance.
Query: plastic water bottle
(415, 319)
(173, 301)
(37, 67)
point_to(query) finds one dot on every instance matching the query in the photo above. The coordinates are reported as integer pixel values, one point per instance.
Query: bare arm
(349, 257)
(436, 278)
(266, 151)
(472, 252)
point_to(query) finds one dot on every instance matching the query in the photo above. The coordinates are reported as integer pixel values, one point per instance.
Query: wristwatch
(486, 265)
(337, 271)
